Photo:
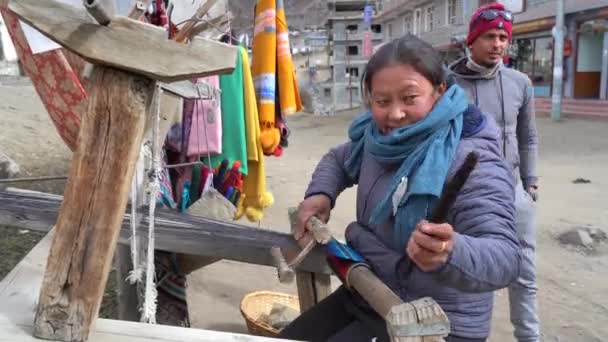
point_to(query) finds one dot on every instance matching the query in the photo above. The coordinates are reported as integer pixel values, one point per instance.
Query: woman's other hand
(316, 205)
(430, 245)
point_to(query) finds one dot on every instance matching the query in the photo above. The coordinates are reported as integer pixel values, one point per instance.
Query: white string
(149, 308)
(135, 274)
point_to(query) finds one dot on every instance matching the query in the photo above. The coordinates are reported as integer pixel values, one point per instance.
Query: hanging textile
(289, 94)
(273, 72)
(206, 134)
(256, 198)
(264, 71)
(55, 81)
(233, 119)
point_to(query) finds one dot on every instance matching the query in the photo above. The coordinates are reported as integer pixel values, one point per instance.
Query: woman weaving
(416, 134)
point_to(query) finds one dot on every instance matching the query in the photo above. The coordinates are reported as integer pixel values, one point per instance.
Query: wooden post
(126, 294)
(312, 288)
(128, 56)
(94, 203)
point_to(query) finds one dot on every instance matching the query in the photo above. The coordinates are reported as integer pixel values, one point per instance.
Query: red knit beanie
(478, 26)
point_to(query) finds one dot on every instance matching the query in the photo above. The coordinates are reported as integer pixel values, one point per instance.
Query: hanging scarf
(423, 151)
(273, 72)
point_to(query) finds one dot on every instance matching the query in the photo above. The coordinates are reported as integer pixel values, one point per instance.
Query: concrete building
(8, 55)
(346, 45)
(443, 23)
(585, 53)
(439, 22)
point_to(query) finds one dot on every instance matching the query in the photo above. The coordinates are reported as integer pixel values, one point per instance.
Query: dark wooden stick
(185, 32)
(452, 189)
(97, 11)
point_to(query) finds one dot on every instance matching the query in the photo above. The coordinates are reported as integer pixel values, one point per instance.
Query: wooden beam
(185, 32)
(94, 203)
(175, 232)
(126, 44)
(312, 288)
(126, 293)
(18, 295)
(216, 22)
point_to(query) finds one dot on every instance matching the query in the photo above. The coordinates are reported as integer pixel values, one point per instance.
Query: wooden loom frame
(110, 81)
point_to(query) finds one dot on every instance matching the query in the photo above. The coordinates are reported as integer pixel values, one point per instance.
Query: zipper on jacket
(502, 107)
(504, 120)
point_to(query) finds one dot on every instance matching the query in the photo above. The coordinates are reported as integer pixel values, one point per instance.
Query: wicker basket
(256, 305)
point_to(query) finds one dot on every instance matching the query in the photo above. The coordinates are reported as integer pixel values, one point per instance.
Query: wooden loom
(129, 58)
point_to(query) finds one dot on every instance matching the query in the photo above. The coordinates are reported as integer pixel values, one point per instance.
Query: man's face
(490, 47)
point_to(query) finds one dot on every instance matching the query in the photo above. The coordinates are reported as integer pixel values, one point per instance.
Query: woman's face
(401, 96)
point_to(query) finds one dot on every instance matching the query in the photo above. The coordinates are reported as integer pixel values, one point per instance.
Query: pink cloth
(206, 128)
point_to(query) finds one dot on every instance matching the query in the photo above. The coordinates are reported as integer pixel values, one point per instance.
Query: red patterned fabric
(55, 81)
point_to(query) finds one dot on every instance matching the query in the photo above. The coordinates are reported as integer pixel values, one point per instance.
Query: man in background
(507, 95)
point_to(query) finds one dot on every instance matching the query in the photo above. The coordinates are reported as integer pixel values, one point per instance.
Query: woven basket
(256, 305)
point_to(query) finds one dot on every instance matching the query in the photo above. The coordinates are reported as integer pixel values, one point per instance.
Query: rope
(136, 273)
(149, 307)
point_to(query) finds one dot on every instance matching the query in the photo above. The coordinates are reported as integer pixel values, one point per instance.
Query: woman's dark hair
(407, 50)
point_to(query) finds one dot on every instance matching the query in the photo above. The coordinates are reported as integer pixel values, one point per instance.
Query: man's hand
(430, 245)
(316, 205)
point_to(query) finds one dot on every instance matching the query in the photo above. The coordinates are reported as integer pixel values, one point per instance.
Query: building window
(429, 17)
(353, 50)
(450, 12)
(352, 71)
(407, 25)
(327, 92)
(376, 28)
(352, 27)
(534, 57)
(417, 21)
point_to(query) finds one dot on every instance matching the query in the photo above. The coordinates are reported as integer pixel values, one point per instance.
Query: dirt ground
(572, 282)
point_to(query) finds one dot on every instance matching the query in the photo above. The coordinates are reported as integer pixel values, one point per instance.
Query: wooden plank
(312, 288)
(126, 293)
(126, 44)
(20, 288)
(18, 295)
(94, 204)
(322, 284)
(175, 232)
(430, 315)
(189, 90)
(306, 290)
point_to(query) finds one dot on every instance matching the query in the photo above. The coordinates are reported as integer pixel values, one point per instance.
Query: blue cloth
(342, 251)
(423, 151)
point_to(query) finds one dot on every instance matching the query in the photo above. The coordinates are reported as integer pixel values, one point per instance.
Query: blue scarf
(423, 151)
